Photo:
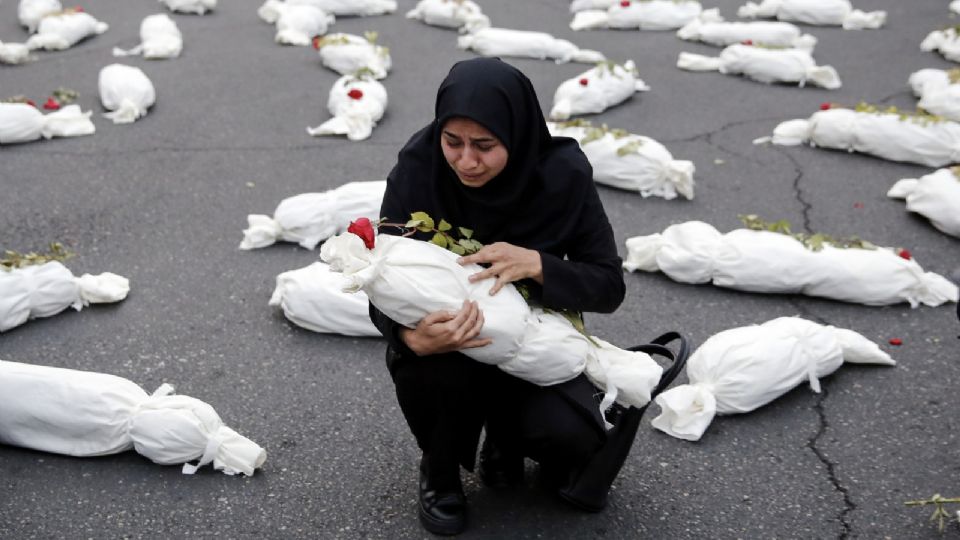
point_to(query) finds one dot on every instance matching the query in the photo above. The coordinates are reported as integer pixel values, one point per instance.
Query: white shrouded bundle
(642, 14)
(313, 298)
(462, 14)
(354, 8)
(817, 12)
(297, 23)
(357, 103)
(710, 28)
(407, 279)
(596, 90)
(929, 142)
(20, 122)
(935, 196)
(583, 5)
(37, 291)
(938, 90)
(126, 91)
(159, 38)
(526, 44)
(83, 413)
(346, 54)
(765, 65)
(64, 30)
(771, 262)
(31, 11)
(946, 42)
(14, 53)
(955, 6)
(311, 218)
(198, 7)
(742, 369)
(627, 161)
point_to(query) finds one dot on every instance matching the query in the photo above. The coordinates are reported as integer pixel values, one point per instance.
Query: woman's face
(474, 153)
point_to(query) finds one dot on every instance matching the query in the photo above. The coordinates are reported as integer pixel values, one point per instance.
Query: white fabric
(347, 53)
(946, 42)
(31, 11)
(764, 65)
(64, 30)
(935, 196)
(642, 14)
(126, 91)
(82, 413)
(938, 94)
(353, 117)
(407, 279)
(198, 7)
(647, 167)
(606, 85)
(159, 38)
(955, 6)
(710, 28)
(742, 369)
(311, 218)
(297, 23)
(354, 8)
(14, 53)
(522, 43)
(312, 297)
(769, 262)
(465, 15)
(44, 290)
(817, 12)
(20, 122)
(583, 5)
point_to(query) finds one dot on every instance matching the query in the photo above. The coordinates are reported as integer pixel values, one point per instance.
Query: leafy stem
(813, 242)
(940, 513)
(13, 259)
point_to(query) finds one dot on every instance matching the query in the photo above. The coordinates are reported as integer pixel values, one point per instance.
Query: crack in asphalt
(848, 504)
(708, 136)
(805, 206)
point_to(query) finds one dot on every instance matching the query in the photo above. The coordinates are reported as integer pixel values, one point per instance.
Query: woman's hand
(445, 331)
(508, 263)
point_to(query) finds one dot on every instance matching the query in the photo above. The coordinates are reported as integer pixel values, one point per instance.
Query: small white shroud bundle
(31, 11)
(913, 139)
(710, 28)
(64, 30)
(938, 90)
(462, 14)
(523, 43)
(357, 103)
(126, 91)
(353, 8)
(313, 298)
(407, 279)
(14, 53)
(20, 122)
(771, 262)
(44, 290)
(198, 7)
(946, 42)
(627, 161)
(763, 64)
(596, 90)
(346, 54)
(83, 413)
(742, 369)
(297, 22)
(311, 218)
(817, 12)
(642, 14)
(159, 38)
(935, 196)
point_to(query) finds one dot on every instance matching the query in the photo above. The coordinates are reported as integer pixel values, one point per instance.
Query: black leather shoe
(498, 470)
(443, 511)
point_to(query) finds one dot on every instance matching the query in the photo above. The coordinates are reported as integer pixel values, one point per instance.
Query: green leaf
(458, 249)
(444, 226)
(414, 223)
(465, 232)
(439, 240)
(424, 217)
(632, 147)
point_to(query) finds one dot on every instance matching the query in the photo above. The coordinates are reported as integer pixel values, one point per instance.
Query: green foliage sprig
(953, 75)
(956, 171)
(940, 513)
(919, 116)
(813, 242)
(609, 66)
(13, 259)
(65, 96)
(19, 98)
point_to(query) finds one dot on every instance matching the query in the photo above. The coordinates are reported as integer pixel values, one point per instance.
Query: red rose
(858, 205)
(364, 229)
(32, 103)
(584, 81)
(625, 3)
(904, 254)
(355, 93)
(316, 43)
(78, 9)
(747, 42)
(896, 341)
(824, 106)
(51, 104)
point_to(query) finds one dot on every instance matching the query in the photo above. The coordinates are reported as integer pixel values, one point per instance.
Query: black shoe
(499, 470)
(444, 511)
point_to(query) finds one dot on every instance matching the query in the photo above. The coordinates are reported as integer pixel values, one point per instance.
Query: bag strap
(678, 360)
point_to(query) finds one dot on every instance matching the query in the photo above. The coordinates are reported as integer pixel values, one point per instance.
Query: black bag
(587, 488)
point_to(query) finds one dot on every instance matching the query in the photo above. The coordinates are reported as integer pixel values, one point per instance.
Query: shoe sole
(440, 527)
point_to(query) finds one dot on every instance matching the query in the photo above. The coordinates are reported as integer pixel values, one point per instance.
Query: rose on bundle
(526, 44)
(711, 28)
(64, 29)
(159, 38)
(946, 42)
(464, 15)
(357, 102)
(935, 196)
(126, 92)
(765, 64)
(596, 90)
(197, 7)
(638, 14)
(818, 12)
(347, 54)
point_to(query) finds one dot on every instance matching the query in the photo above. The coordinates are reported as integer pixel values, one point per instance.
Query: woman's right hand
(445, 331)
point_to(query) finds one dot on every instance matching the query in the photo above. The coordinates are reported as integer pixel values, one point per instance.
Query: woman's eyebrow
(476, 140)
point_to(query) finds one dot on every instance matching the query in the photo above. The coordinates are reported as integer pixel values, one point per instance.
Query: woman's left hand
(508, 263)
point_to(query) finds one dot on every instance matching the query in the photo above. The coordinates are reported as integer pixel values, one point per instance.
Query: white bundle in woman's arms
(198, 7)
(346, 54)
(526, 44)
(65, 29)
(82, 413)
(126, 91)
(742, 369)
(462, 14)
(817, 12)
(357, 103)
(764, 64)
(596, 90)
(938, 90)
(946, 42)
(312, 297)
(710, 28)
(31, 11)
(935, 196)
(773, 262)
(159, 38)
(20, 122)
(628, 161)
(638, 14)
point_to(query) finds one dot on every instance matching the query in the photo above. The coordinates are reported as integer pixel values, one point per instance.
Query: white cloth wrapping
(935, 196)
(297, 23)
(14, 53)
(355, 8)
(159, 38)
(44, 290)
(583, 5)
(464, 15)
(816, 12)
(770, 262)
(197, 7)
(311, 218)
(407, 279)
(710, 28)
(645, 165)
(938, 94)
(596, 90)
(743, 369)
(946, 42)
(31, 11)
(83, 413)
(764, 65)
(357, 104)
(20, 122)
(884, 135)
(126, 91)
(347, 53)
(527, 44)
(64, 30)
(639, 14)
(312, 297)
(955, 6)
